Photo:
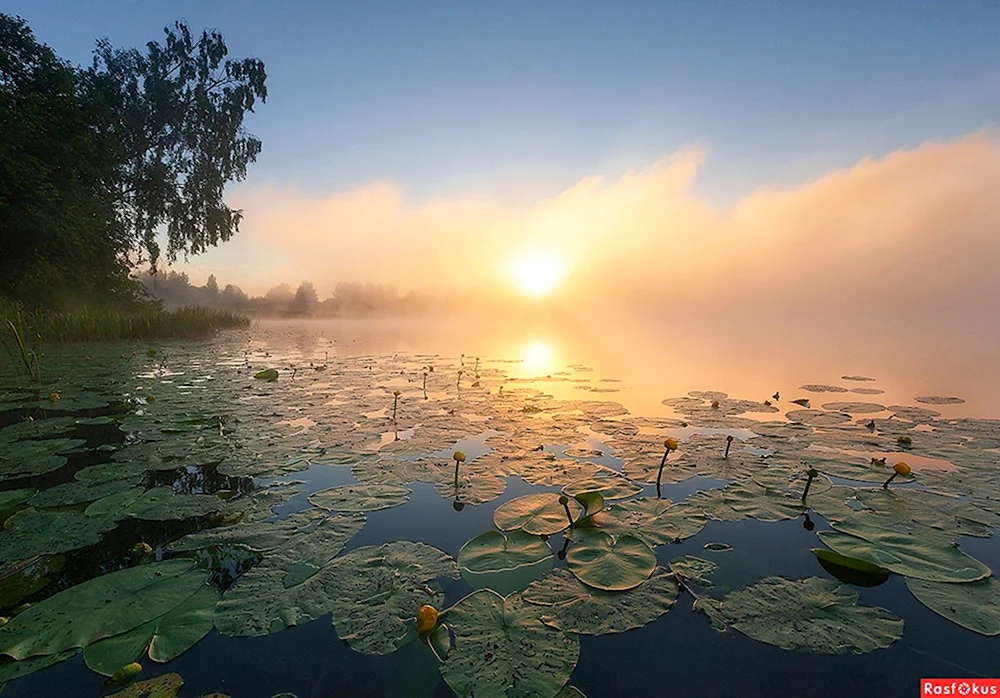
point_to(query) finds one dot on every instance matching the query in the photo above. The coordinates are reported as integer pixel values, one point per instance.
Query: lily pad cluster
(184, 473)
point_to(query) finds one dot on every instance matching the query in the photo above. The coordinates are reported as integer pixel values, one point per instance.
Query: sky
(440, 145)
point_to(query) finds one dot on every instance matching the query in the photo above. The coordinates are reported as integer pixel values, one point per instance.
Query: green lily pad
(15, 670)
(473, 488)
(76, 492)
(494, 552)
(34, 532)
(609, 487)
(718, 547)
(656, 521)
(102, 607)
(164, 504)
(360, 497)
(975, 606)
(613, 564)
(380, 589)
(268, 374)
(756, 502)
(939, 400)
(575, 607)
(502, 648)
(814, 615)
(166, 686)
(10, 500)
(373, 592)
(502, 563)
(691, 569)
(540, 514)
(851, 570)
(185, 625)
(921, 554)
(592, 503)
(112, 653)
(35, 456)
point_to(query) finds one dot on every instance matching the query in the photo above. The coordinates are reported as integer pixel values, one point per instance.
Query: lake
(161, 501)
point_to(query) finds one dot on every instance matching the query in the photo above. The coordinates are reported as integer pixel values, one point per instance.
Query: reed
(143, 322)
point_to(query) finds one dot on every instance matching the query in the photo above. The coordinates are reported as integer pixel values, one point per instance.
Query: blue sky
(458, 98)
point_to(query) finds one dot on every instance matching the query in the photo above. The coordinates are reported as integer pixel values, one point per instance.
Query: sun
(537, 273)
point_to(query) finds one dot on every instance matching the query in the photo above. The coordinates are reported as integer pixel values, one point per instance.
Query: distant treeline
(349, 299)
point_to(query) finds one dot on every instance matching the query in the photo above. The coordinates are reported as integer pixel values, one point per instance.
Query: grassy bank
(144, 322)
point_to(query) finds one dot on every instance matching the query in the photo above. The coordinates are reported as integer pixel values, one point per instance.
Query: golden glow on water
(537, 359)
(536, 273)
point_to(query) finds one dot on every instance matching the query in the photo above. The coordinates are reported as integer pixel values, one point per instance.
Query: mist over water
(649, 357)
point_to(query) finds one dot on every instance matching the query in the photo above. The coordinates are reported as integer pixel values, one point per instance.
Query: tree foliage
(96, 164)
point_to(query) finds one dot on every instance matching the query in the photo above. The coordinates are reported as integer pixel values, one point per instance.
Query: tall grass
(144, 322)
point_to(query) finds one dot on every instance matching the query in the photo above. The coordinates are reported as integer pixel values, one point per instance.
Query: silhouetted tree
(306, 299)
(94, 163)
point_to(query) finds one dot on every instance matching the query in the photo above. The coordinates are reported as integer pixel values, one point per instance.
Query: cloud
(915, 231)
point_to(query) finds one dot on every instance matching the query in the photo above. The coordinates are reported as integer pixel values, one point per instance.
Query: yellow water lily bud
(427, 619)
(902, 468)
(53, 396)
(142, 548)
(670, 443)
(125, 674)
(459, 456)
(396, 393)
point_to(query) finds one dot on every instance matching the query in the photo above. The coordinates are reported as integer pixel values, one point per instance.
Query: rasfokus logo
(960, 687)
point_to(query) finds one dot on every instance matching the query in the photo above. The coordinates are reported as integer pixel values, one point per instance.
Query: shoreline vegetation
(96, 324)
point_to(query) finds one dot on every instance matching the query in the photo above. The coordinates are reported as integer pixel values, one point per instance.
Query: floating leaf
(166, 686)
(851, 570)
(922, 555)
(814, 615)
(592, 503)
(34, 532)
(693, 569)
(975, 605)
(756, 502)
(718, 547)
(379, 590)
(504, 563)
(494, 552)
(613, 564)
(102, 607)
(15, 670)
(268, 374)
(184, 626)
(109, 655)
(502, 648)
(575, 607)
(540, 514)
(374, 593)
(360, 497)
(939, 400)
(164, 504)
(473, 488)
(609, 487)
(656, 521)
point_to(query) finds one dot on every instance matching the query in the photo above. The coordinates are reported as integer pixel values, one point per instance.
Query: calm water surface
(638, 364)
